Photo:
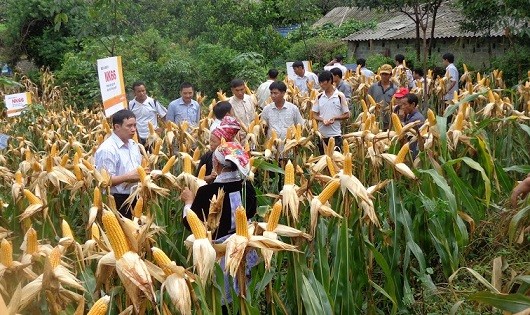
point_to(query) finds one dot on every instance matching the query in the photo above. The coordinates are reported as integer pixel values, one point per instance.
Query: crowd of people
(226, 161)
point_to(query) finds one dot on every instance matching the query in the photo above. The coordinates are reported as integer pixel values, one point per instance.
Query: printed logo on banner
(16, 103)
(111, 85)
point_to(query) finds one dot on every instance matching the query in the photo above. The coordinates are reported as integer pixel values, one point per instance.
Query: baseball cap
(386, 68)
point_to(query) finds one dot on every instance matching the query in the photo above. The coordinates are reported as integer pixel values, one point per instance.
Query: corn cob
(402, 153)
(145, 162)
(241, 222)
(53, 150)
(314, 124)
(66, 230)
(34, 200)
(186, 167)
(364, 106)
(289, 174)
(196, 226)
(162, 260)
(138, 207)
(156, 148)
(77, 172)
(202, 172)
(151, 128)
(196, 154)
(97, 198)
(169, 164)
(183, 148)
(274, 216)
(184, 126)
(94, 232)
(54, 257)
(100, 307)
(459, 122)
(491, 97)
(64, 160)
(371, 100)
(397, 123)
(348, 164)
(18, 177)
(142, 174)
(289, 134)
(106, 126)
(6, 250)
(345, 146)
(298, 130)
(431, 117)
(331, 166)
(49, 163)
(329, 190)
(88, 165)
(31, 241)
(115, 233)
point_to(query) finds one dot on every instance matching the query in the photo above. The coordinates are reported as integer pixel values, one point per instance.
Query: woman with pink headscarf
(227, 129)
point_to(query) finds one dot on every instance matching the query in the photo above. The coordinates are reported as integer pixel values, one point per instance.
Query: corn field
(368, 230)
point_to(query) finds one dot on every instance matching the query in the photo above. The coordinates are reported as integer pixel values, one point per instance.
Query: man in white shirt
(401, 68)
(120, 156)
(364, 71)
(303, 77)
(452, 74)
(263, 93)
(336, 63)
(280, 114)
(243, 106)
(329, 111)
(147, 110)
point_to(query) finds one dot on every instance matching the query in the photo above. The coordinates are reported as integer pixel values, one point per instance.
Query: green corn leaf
(507, 302)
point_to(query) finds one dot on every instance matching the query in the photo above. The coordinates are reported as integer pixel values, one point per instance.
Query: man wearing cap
(227, 130)
(232, 165)
(303, 77)
(382, 92)
(336, 63)
(280, 114)
(329, 111)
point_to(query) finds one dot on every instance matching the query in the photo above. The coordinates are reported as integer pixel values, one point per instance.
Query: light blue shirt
(118, 158)
(178, 111)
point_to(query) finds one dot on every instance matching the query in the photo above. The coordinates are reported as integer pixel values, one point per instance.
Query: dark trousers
(338, 144)
(124, 209)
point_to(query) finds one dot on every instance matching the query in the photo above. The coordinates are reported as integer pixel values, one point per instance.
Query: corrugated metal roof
(403, 27)
(341, 14)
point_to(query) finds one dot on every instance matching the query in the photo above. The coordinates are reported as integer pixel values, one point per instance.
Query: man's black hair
(336, 71)
(236, 83)
(221, 109)
(185, 85)
(399, 58)
(137, 84)
(419, 71)
(362, 62)
(412, 99)
(325, 76)
(449, 57)
(121, 115)
(298, 63)
(273, 74)
(339, 58)
(278, 85)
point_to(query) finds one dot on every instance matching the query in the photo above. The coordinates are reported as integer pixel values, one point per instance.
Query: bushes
(318, 50)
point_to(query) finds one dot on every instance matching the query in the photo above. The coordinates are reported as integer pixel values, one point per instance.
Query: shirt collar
(118, 141)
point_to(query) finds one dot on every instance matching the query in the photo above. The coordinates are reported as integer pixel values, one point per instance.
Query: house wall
(471, 50)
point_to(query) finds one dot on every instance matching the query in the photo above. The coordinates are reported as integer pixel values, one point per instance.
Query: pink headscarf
(234, 152)
(228, 129)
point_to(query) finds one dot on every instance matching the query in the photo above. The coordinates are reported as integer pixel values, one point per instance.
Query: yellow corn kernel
(345, 146)
(162, 260)
(247, 90)
(274, 216)
(142, 174)
(186, 167)
(138, 207)
(459, 122)
(298, 132)
(169, 164)
(54, 257)
(78, 173)
(274, 135)
(115, 234)
(97, 202)
(6, 249)
(100, 307)
(34, 200)
(331, 166)
(196, 154)
(64, 160)
(18, 178)
(396, 123)
(241, 222)
(402, 153)
(145, 162)
(330, 147)
(371, 100)
(364, 106)
(314, 124)
(491, 97)
(289, 134)
(94, 232)
(49, 163)
(184, 126)
(31, 241)
(196, 226)
(151, 128)
(66, 230)
(289, 174)
(156, 148)
(88, 165)
(329, 190)
(348, 165)
(53, 150)
(28, 155)
(106, 126)
(202, 172)
(431, 117)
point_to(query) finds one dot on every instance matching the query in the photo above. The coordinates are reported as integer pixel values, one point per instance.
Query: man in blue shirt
(184, 108)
